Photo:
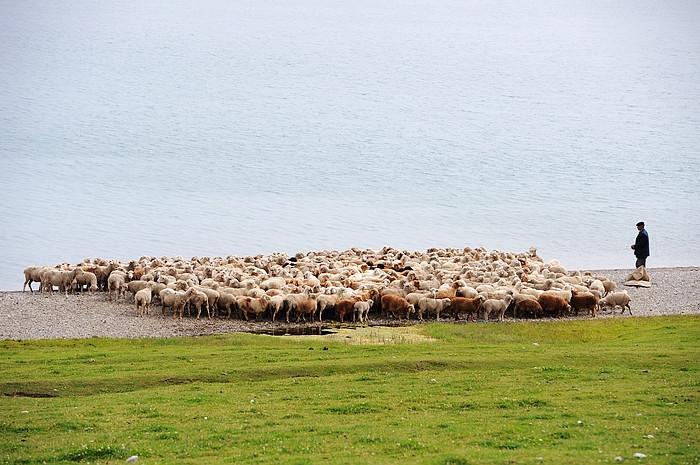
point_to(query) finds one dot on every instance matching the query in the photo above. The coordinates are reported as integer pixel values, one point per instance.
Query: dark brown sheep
(396, 306)
(553, 305)
(529, 307)
(467, 306)
(588, 302)
(345, 307)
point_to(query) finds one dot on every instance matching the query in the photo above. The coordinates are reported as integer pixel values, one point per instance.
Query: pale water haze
(211, 128)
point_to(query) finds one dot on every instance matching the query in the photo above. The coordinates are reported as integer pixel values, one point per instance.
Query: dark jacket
(641, 245)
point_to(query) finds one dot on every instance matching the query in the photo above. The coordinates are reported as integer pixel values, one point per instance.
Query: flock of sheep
(445, 282)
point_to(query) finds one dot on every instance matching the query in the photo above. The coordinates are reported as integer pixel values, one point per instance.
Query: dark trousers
(641, 261)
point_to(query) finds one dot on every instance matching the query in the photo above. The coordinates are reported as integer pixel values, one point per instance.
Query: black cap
(641, 223)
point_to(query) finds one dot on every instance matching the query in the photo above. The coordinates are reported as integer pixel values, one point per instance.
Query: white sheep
(361, 310)
(324, 301)
(414, 297)
(116, 283)
(617, 298)
(175, 299)
(198, 299)
(86, 279)
(33, 274)
(430, 305)
(564, 293)
(142, 300)
(273, 283)
(51, 277)
(496, 306)
(597, 285)
(275, 304)
(610, 286)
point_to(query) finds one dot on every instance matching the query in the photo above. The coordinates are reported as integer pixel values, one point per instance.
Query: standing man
(641, 245)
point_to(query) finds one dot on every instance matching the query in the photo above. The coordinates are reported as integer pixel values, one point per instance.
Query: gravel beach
(28, 315)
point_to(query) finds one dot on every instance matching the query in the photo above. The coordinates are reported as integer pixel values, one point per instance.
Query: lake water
(241, 127)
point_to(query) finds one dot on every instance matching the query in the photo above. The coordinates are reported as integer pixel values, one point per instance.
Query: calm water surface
(216, 127)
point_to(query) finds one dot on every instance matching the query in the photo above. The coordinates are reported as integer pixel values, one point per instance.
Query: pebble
(132, 459)
(639, 455)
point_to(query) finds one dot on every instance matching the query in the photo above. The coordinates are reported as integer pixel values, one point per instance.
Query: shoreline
(34, 316)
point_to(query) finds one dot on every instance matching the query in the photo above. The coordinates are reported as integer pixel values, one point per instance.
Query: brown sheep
(553, 305)
(587, 302)
(528, 307)
(254, 305)
(396, 306)
(304, 307)
(345, 307)
(467, 306)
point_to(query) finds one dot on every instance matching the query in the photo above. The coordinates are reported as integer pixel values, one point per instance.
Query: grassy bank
(556, 392)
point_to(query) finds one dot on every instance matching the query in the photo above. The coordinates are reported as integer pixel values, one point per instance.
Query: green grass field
(575, 392)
